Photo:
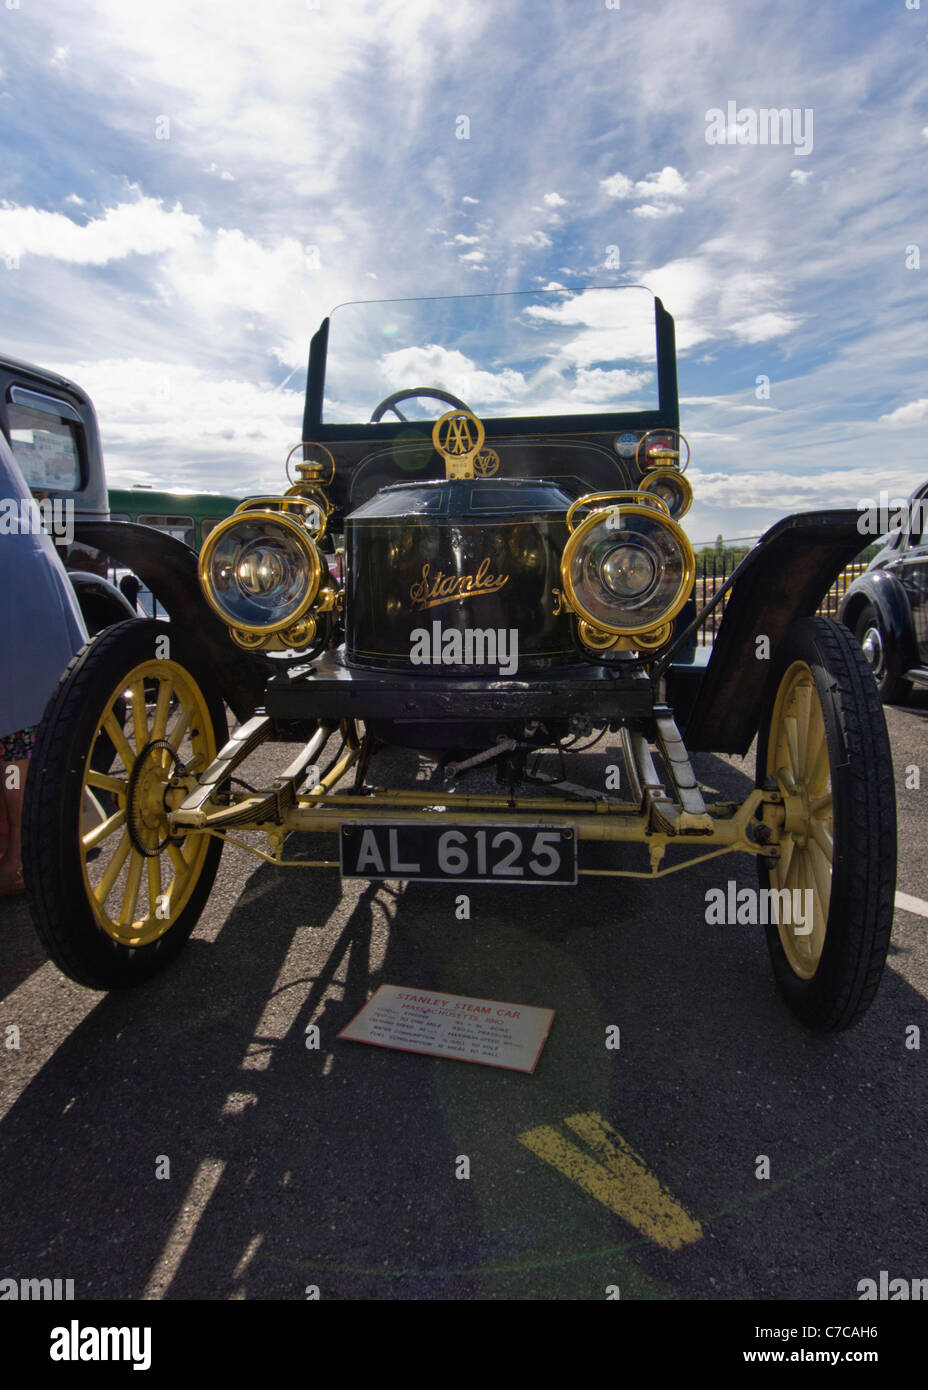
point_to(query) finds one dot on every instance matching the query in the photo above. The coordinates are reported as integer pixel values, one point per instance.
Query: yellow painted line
(617, 1176)
(910, 904)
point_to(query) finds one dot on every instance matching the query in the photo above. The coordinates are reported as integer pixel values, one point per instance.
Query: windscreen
(547, 352)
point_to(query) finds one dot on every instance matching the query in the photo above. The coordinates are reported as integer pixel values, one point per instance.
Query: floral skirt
(17, 747)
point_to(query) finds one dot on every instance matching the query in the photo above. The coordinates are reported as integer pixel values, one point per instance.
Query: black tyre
(823, 739)
(135, 719)
(893, 688)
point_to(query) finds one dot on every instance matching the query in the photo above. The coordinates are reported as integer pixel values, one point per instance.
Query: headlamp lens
(260, 571)
(628, 571)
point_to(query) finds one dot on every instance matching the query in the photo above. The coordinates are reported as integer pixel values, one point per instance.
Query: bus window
(180, 527)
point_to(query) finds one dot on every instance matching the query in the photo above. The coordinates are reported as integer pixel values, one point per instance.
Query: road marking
(205, 1180)
(910, 904)
(617, 1176)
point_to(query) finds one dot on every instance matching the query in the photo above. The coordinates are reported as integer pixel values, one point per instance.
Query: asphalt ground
(286, 1169)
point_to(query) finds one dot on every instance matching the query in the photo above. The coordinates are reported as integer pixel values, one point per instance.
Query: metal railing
(712, 570)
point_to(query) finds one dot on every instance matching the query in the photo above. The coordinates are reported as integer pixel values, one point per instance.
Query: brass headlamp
(671, 487)
(261, 570)
(627, 570)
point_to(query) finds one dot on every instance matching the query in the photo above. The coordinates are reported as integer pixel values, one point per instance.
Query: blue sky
(313, 156)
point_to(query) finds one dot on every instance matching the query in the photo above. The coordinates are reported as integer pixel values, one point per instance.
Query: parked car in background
(52, 429)
(887, 606)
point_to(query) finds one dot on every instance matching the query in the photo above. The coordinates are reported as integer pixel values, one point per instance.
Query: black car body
(887, 606)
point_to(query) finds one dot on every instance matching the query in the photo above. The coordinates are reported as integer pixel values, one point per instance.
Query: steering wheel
(390, 402)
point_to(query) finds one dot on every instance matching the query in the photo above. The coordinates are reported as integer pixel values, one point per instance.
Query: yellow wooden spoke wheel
(823, 748)
(797, 755)
(138, 879)
(132, 725)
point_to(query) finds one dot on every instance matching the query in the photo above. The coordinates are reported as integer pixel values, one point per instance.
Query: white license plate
(460, 853)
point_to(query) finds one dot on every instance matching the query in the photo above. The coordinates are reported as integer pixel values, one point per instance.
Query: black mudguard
(784, 577)
(883, 590)
(169, 569)
(93, 589)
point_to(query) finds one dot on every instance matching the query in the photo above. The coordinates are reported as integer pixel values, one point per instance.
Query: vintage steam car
(478, 587)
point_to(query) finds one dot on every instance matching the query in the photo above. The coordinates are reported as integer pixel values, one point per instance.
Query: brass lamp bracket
(312, 470)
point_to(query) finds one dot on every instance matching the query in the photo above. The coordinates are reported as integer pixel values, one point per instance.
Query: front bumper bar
(332, 691)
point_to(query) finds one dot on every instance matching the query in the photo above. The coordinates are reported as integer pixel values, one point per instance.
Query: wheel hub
(872, 645)
(147, 805)
(796, 817)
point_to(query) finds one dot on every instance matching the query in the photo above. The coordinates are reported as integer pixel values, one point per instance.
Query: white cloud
(708, 295)
(906, 414)
(649, 210)
(455, 371)
(612, 325)
(463, 240)
(142, 228)
(617, 186)
(467, 199)
(761, 327)
(474, 256)
(600, 386)
(801, 175)
(538, 241)
(554, 200)
(666, 184)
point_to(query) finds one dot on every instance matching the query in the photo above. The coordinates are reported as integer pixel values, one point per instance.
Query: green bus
(187, 516)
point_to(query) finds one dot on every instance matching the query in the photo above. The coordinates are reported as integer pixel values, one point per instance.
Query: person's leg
(4, 820)
(14, 764)
(14, 780)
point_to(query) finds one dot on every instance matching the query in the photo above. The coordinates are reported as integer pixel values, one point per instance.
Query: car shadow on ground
(185, 1142)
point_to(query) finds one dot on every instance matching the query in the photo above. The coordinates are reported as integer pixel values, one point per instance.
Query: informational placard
(452, 1025)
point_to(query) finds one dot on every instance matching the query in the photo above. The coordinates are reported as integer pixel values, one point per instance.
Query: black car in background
(51, 426)
(887, 606)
